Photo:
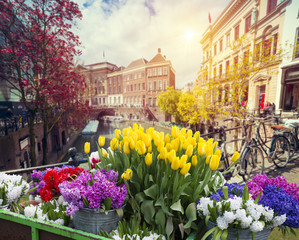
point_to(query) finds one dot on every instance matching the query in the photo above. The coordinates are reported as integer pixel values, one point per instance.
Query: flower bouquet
(46, 182)
(91, 196)
(12, 189)
(232, 213)
(165, 175)
(279, 195)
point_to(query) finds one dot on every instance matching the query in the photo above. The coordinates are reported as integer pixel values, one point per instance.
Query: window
(220, 45)
(215, 72)
(159, 71)
(103, 89)
(271, 5)
(160, 85)
(110, 81)
(220, 70)
(275, 38)
(154, 72)
(236, 62)
(257, 51)
(139, 75)
(165, 84)
(228, 40)
(135, 75)
(227, 67)
(215, 49)
(149, 86)
(246, 59)
(165, 71)
(237, 32)
(119, 89)
(114, 90)
(247, 23)
(155, 85)
(149, 72)
(267, 47)
(114, 79)
(296, 45)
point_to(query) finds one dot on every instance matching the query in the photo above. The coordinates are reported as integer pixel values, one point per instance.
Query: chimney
(159, 50)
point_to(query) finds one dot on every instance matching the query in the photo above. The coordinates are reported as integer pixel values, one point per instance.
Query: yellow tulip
(150, 131)
(168, 146)
(175, 132)
(126, 147)
(135, 136)
(214, 163)
(218, 152)
(201, 149)
(163, 153)
(148, 159)
(171, 155)
(201, 140)
(189, 133)
(167, 138)
(135, 126)
(104, 152)
(132, 143)
(183, 161)
(147, 140)
(235, 156)
(162, 135)
(175, 164)
(114, 144)
(140, 147)
(157, 138)
(87, 147)
(192, 141)
(185, 169)
(117, 133)
(194, 160)
(189, 150)
(101, 141)
(208, 149)
(197, 136)
(160, 146)
(150, 148)
(208, 158)
(215, 144)
(127, 175)
(210, 140)
(183, 131)
(125, 132)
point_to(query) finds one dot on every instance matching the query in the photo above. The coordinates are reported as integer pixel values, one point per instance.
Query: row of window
(156, 72)
(262, 49)
(249, 20)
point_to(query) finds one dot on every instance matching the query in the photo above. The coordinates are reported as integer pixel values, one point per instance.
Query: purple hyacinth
(234, 189)
(91, 189)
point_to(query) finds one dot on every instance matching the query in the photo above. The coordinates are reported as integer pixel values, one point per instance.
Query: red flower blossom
(46, 194)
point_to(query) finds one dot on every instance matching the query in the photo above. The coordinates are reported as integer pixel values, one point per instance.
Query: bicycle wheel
(280, 151)
(262, 133)
(292, 141)
(252, 162)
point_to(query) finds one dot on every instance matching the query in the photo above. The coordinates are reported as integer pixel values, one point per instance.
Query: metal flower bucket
(93, 220)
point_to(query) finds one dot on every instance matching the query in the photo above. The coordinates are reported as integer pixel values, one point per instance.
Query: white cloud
(127, 30)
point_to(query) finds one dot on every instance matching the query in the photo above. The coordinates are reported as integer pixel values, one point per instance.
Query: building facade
(247, 30)
(136, 85)
(288, 90)
(96, 77)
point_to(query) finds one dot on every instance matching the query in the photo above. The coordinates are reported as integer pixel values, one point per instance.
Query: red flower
(46, 194)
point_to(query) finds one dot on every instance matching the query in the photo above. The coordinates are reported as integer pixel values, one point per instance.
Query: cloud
(127, 30)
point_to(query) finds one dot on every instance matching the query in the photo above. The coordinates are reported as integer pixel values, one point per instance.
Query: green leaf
(148, 210)
(224, 234)
(245, 195)
(107, 203)
(190, 214)
(177, 207)
(140, 197)
(160, 218)
(120, 212)
(139, 171)
(258, 197)
(152, 192)
(208, 233)
(161, 203)
(169, 227)
(225, 192)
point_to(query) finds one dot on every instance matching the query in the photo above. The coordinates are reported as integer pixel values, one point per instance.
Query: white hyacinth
(279, 220)
(229, 217)
(245, 222)
(152, 236)
(257, 226)
(222, 223)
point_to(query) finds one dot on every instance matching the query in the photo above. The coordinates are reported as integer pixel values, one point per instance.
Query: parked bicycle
(279, 149)
(251, 160)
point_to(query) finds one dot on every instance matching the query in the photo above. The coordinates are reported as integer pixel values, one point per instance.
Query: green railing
(17, 226)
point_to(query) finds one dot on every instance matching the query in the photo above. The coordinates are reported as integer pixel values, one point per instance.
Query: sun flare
(189, 35)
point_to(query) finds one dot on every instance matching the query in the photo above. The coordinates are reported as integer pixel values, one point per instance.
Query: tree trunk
(32, 139)
(45, 139)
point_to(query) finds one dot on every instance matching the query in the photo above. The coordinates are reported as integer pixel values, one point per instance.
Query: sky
(121, 31)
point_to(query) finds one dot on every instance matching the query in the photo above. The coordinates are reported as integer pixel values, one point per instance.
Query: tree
(37, 57)
(192, 106)
(168, 102)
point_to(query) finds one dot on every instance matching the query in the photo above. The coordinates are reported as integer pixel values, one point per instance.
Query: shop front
(290, 88)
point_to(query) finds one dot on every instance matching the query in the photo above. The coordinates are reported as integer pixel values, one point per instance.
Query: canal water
(107, 130)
